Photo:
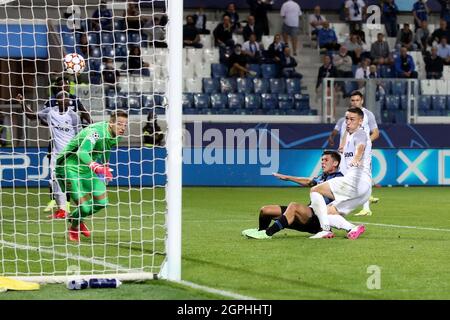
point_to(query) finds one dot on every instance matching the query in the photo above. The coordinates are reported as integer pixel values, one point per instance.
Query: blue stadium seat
(301, 102)
(403, 102)
(119, 24)
(285, 101)
(190, 111)
(211, 85)
(386, 86)
(236, 101)
(228, 85)
(392, 102)
(201, 100)
(219, 70)
(252, 101)
(107, 37)
(134, 38)
(261, 85)
(108, 50)
(269, 101)
(398, 88)
(293, 86)
(424, 102)
(121, 52)
(95, 52)
(255, 68)
(218, 101)
(400, 116)
(188, 100)
(277, 85)
(93, 38)
(120, 37)
(386, 72)
(95, 64)
(134, 103)
(269, 71)
(439, 102)
(244, 85)
(117, 102)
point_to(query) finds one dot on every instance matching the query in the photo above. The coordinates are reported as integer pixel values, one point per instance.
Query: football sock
(339, 222)
(366, 205)
(320, 209)
(264, 221)
(278, 224)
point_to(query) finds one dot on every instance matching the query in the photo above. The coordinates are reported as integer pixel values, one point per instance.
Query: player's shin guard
(320, 209)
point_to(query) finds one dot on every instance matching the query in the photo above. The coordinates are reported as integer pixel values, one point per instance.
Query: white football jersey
(63, 126)
(353, 140)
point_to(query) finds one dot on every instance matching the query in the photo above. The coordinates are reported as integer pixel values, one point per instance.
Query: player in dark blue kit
(298, 216)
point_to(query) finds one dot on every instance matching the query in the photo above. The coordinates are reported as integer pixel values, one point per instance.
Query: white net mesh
(124, 48)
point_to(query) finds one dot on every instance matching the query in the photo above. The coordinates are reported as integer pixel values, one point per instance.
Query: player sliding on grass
(353, 189)
(297, 216)
(83, 169)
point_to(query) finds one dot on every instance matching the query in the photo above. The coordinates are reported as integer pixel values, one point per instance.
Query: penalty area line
(224, 293)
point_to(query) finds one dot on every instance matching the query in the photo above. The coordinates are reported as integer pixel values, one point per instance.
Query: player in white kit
(354, 188)
(64, 124)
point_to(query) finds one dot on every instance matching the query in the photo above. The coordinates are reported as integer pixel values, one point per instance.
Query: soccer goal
(133, 61)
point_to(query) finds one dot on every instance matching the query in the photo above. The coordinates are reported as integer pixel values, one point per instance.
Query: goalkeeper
(82, 169)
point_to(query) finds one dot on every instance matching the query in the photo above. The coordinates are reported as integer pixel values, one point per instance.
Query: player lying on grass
(83, 169)
(354, 188)
(300, 217)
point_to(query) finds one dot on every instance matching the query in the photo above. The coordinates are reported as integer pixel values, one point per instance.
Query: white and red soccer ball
(74, 63)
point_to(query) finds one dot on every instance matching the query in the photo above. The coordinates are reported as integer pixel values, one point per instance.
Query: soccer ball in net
(74, 63)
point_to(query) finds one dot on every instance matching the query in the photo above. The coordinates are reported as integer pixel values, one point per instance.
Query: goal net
(125, 46)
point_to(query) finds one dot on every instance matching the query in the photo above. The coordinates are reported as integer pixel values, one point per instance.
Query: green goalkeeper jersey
(93, 143)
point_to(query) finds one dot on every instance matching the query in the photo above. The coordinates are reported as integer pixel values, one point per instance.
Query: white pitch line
(66, 255)
(215, 291)
(400, 226)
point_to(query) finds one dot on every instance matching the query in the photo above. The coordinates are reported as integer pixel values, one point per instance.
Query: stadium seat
(441, 87)
(188, 100)
(134, 103)
(398, 87)
(201, 100)
(219, 70)
(93, 38)
(252, 101)
(119, 23)
(193, 85)
(108, 50)
(301, 102)
(218, 101)
(95, 52)
(206, 40)
(121, 52)
(269, 101)
(211, 55)
(293, 86)
(392, 102)
(260, 85)
(277, 85)
(120, 37)
(404, 102)
(424, 102)
(236, 101)
(439, 102)
(211, 85)
(255, 68)
(228, 85)
(107, 37)
(195, 56)
(95, 64)
(202, 70)
(386, 86)
(134, 38)
(159, 85)
(269, 71)
(188, 70)
(285, 101)
(428, 87)
(244, 85)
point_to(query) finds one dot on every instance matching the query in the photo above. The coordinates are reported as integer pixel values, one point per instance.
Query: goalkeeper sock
(339, 222)
(264, 221)
(83, 210)
(99, 205)
(279, 224)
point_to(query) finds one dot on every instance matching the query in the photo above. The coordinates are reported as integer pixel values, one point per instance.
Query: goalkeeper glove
(102, 171)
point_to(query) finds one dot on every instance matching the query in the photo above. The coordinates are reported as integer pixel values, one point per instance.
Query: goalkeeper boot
(59, 214)
(50, 205)
(84, 230)
(258, 235)
(364, 212)
(74, 234)
(373, 199)
(247, 231)
(324, 234)
(356, 232)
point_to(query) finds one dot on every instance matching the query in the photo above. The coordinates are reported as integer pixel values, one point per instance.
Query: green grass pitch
(413, 259)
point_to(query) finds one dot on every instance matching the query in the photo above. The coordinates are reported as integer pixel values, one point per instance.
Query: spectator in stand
(191, 37)
(404, 65)
(422, 36)
(234, 17)
(437, 34)
(390, 11)
(238, 64)
(355, 12)
(290, 12)
(102, 19)
(251, 28)
(327, 70)
(379, 51)
(110, 75)
(405, 38)
(135, 62)
(445, 11)
(360, 33)
(200, 21)
(434, 65)
(132, 17)
(373, 74)
(258, 9)
(343, 63)
(354, 48)
(276, 50)
(252, 50)
(327, 39)
(223, 33)
(444, 51)
(83, 46)
(153, 135)
(288, 64)
(316, 21)
(364, 70)
(3, 131)
(420, 12)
